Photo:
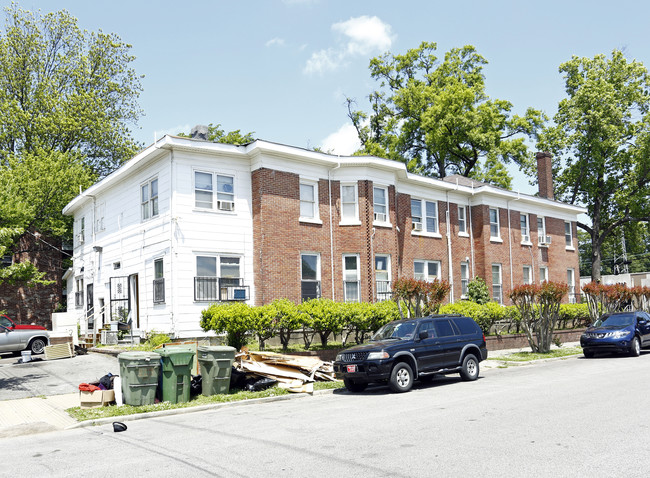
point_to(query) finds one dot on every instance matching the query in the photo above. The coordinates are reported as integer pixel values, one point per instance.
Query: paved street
(572, 417)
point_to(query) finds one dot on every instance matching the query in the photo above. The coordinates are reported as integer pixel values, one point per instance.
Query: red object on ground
(86, 387)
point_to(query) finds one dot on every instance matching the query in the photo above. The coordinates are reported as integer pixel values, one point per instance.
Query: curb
(200, 408)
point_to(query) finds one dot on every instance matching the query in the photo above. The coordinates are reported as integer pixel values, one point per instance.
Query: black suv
(409, 349)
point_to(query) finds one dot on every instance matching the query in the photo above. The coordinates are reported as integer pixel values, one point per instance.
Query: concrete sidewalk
(41, 414)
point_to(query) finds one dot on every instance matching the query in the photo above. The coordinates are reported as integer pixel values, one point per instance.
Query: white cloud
(366, 34)
(275, 41)
(361, 36)
(344, 141)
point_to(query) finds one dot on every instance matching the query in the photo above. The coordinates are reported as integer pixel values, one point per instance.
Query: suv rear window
(466, 326)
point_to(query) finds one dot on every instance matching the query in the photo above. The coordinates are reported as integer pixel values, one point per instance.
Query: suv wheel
(401, 378)
(635, 347)
(469, 370)
(353, 386)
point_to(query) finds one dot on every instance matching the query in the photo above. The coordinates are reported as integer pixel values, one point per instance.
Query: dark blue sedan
(622, 332)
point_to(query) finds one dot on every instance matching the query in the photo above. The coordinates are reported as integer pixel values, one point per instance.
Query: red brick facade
(27, 305)
(280, 237)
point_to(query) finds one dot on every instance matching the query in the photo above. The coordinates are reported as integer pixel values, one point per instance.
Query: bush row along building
(188, 222)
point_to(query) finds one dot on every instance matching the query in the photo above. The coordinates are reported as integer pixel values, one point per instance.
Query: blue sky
(282, 68)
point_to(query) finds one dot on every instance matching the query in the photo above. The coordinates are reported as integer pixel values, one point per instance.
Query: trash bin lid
(177, 355)
(138, 356)
(216, 348)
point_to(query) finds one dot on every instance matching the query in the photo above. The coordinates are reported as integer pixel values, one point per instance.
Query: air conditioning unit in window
(80, 238)
(225, 205)
(417, 226)
(548, 239)
(380, 217)
(544, 240)
(525, 238)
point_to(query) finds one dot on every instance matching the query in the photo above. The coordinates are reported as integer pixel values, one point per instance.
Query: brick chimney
(545, 175)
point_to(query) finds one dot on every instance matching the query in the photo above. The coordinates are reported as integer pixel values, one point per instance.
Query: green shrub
(155, 338)
(235, 319)
(477, 291)
(575, 314)
(324, 317)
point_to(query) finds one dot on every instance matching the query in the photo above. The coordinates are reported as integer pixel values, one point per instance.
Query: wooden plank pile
(294, 372)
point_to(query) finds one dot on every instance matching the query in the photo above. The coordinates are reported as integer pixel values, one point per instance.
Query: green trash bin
(215, 363)
(139, 373)
(176, 376)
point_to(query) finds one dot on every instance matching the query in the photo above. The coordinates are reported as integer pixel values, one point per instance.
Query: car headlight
(339, 358)
(378, 355)
(619, 334)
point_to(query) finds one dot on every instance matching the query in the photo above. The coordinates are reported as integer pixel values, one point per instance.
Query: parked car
(17, 337)
(405, 350)
(622, 332)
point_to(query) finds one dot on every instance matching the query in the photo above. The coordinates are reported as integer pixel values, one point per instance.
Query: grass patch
(80, 414)
(530, 356)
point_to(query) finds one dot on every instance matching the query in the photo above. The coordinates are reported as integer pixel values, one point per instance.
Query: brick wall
(279, 238)
(27, 305)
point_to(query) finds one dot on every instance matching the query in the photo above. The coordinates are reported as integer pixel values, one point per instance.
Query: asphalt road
(51, 377)
(573, 417)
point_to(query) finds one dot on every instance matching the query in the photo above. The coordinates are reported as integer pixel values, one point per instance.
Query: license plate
(352, 368)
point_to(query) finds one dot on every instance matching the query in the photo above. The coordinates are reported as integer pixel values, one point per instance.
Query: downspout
(172, 222)
(329, 185)
(372, 266)
(449, 258)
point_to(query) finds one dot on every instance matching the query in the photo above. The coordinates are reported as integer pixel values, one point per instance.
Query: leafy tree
(325, 318)
(419, 297)
(218, 135)
(65, 89)
(436, 117)
(600, 141)
(22, 272)
(477, 291)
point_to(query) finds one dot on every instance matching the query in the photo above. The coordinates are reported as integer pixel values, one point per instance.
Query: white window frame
(464, 279)
(425, 274)
(376, 207)
(426, 207)
(157, 277)
(527, 270)
(314, 217)
(571, 281)
(345, 219)
(498, 285)
(568, 238)
(541, 232)
(524, 224)
(318, 272)
(225, 200)
(386, 277)
(462, 221)
(494, 238)
(149, 205)
(354, 278)
(218, 271)
(543, 274)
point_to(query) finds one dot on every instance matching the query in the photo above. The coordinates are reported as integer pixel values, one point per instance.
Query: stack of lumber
(293, 372)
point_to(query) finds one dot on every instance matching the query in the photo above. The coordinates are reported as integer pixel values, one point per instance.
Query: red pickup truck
(17, 337)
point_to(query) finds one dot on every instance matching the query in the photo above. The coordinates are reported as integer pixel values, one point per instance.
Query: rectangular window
(349, 203)
(204, 191)
(351, 284)
(525, 228)
(462, 221)
(158, 282)
(527, 275)
(219, 278)
(80, 237)
(416, 215)
(308, 201)
(309, 276)
(426, 270)
(568, 235)
(432, 216)
(542, 238)
(100, 212)
(380, 204)
(464, 278)
(149, 199)
(543, 274)
(497, 292)
(79, 292)
(382, 277)
(571, 281)
(494, 223)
